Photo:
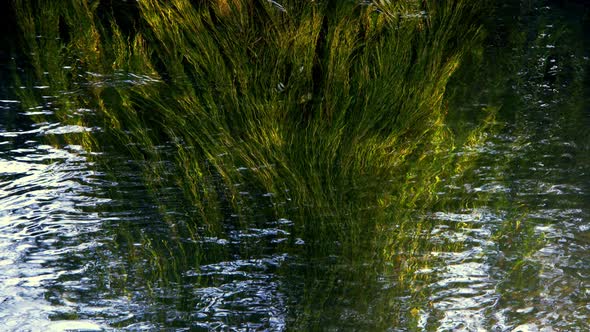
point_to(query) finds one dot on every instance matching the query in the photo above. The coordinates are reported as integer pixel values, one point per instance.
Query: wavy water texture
(132, 200)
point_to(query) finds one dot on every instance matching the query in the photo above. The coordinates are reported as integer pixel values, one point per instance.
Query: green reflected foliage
(333, 110)
(316, 104)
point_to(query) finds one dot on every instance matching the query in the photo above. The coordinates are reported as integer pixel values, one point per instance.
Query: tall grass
(327, 105)
(322, 104)
(335, 109)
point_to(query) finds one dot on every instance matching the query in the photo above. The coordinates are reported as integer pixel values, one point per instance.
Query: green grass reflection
(334, 109)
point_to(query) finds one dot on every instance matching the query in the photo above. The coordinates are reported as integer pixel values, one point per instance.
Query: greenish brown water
(221, 222)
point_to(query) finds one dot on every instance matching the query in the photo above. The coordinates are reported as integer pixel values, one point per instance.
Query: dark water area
(504, 245)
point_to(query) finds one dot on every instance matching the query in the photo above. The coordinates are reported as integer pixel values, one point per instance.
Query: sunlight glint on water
(84, 244)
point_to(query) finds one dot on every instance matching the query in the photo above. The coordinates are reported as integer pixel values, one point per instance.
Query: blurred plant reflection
(309, 141)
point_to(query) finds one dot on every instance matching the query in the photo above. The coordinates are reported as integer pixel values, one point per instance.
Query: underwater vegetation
(332, 113)
(312, 102)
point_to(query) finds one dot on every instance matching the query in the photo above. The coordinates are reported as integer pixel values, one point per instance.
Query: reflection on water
(500, 242)
(47, 219)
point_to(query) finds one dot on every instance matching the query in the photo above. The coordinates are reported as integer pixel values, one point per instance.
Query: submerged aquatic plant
(327, 106)
(317, 98)
(333, 109)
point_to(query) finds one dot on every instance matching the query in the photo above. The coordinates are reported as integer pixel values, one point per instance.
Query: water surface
(86, 245)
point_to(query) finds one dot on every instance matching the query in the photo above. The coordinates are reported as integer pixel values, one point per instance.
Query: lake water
(505, 246)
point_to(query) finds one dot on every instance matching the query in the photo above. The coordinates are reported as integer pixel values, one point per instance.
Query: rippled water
(84, 247)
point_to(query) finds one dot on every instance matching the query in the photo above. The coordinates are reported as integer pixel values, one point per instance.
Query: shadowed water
(87, 243)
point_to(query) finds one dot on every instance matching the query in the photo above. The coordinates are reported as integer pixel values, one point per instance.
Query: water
(84, 245)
